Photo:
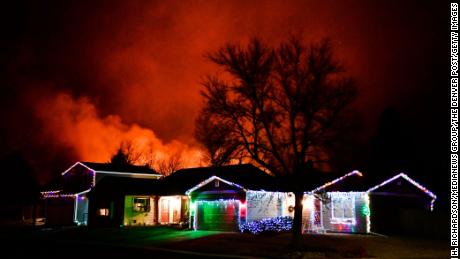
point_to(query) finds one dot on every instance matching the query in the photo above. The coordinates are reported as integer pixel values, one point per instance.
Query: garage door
(217, 215)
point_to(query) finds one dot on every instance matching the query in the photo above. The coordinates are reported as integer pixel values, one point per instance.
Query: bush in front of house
(267, 225)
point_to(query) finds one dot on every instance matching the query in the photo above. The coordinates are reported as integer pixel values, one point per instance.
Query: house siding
(261, 204)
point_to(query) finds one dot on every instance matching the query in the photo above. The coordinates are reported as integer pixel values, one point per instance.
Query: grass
(274, 245)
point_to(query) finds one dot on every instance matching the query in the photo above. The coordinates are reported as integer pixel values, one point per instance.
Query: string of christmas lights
(416, 184)
(58, 195)
(210, 179)
(50, 192)
(355, 172)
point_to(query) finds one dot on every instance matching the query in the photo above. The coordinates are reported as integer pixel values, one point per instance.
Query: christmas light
(58, 195)
(367, 212)
(50, 192)
(77, 163)
(277, 224)
(308, 203)
(355, 172)
(93, 173)
(210, 179)
(419, 186)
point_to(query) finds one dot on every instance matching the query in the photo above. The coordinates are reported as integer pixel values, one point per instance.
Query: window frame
(340, 201)
(141, 208)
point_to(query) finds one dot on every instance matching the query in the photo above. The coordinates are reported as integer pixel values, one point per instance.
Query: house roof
(352, 181)
(108, 167)
(246, 175)
(109, 170)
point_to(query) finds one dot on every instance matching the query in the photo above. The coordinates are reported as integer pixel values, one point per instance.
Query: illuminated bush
(276, 224)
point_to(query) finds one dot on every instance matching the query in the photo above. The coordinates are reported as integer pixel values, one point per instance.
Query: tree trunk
(297, 224)
(34, 213)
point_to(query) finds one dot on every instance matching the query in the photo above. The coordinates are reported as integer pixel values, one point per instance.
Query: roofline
(216, 167)
(410, 180)
(77, 163)
(141, 175)
(210, 179)
(156, 176)
(337, 180)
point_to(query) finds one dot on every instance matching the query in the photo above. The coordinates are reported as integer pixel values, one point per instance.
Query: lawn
(164, 242)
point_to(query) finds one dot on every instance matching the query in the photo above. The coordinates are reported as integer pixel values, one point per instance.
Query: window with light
(141, 204)
(343, 209)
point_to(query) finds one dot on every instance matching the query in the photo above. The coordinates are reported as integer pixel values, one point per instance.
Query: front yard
(165, 242)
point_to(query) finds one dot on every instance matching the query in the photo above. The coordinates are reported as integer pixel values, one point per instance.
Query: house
(228, 197)
(337, 206)
(208, 198)
(398, 206)
(348, 204)
(100, 194)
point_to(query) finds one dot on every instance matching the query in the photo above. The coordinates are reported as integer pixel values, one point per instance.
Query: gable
(78, 178)
(402, 185)
(215, 183)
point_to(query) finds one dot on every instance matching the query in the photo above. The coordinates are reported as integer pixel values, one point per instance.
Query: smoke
(119, 71)
(74, 123)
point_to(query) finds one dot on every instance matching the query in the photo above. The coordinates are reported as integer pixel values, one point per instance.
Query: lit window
(103, 212)
(343, 210)
(141, 204)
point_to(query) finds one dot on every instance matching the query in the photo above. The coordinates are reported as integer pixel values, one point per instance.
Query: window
(103, 212)
(141, 204)
(343, 209)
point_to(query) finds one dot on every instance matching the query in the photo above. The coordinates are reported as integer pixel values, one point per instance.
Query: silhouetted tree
(128, 155)
(281, 106)
(392, 146)
(216, 139)
(120, 158)
(169, 165)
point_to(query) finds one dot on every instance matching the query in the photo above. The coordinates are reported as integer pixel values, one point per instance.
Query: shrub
(276, 224)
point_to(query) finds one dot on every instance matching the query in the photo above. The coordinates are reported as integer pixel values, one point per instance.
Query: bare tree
(281, 106)
(169, 165)
(216, 139)
(126, 155)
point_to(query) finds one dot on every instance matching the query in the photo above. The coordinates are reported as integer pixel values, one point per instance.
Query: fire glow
(76, 124)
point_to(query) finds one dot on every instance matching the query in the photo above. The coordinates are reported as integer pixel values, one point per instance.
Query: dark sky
(79, 77)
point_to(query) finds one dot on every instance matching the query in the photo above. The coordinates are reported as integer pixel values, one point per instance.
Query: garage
(218, 215)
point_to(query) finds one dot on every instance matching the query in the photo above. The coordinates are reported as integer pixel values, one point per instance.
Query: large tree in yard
(279, 107)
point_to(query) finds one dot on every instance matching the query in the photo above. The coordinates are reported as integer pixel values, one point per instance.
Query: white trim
(141, 175)
(80, 193)
(77, 163)
(210, 179)
(410, 180)
(112, 172)
(337, 180)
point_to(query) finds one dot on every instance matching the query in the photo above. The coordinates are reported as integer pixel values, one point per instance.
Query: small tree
(279, 107)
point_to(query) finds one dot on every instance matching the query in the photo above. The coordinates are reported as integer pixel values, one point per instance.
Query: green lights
(365, 210)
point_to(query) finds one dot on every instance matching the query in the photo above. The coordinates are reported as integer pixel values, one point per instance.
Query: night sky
(79, 77)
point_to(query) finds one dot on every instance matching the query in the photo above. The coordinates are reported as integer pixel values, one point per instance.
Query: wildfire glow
(75, 123)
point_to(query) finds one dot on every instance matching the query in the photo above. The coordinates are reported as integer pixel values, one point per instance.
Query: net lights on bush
(276, 224)
(404, 176)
